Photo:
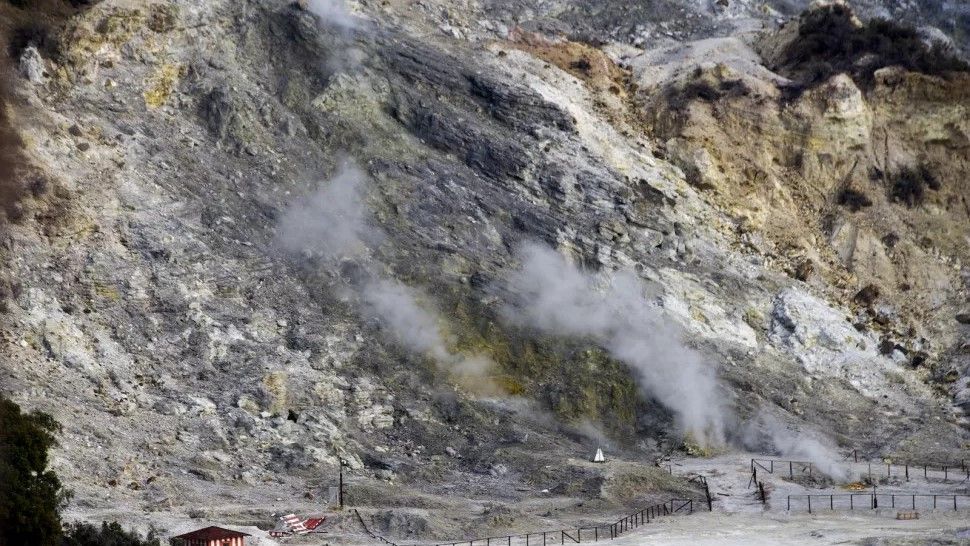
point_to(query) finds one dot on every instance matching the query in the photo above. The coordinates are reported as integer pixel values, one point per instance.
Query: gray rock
(32, 65)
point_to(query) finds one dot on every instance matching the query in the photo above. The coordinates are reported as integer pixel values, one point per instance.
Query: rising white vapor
(333, 13)
(765, 432)
(556, 297)
(334, 224)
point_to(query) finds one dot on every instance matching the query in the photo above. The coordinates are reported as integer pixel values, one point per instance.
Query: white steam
(333, 13)
(333, 221)
(334, 225)
(397, 307)
(342, 27)
(556, 297)
(764, 432)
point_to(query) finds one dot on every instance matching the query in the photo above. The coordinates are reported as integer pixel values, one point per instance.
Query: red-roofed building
(212, 536)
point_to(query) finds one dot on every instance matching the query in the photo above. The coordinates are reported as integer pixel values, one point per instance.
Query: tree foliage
(109, 534)
(30, 494)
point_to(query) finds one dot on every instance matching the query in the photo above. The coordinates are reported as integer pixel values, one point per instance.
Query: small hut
(212, 536)
(599, 458)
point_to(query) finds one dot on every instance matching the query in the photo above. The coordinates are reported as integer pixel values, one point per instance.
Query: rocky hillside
(459, 246)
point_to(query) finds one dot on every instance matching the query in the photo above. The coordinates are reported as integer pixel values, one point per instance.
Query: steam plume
(764, 432)
(333, 13)
(334, 225)
(556, 297)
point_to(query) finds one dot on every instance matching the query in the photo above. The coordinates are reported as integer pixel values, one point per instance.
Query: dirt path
(779, 528)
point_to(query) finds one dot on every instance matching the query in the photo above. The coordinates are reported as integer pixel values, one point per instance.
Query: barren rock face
(809, 244)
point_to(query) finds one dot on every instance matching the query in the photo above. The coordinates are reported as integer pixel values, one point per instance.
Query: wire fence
(574, 535)
(873, 501)
(958, 470)
(874, 469)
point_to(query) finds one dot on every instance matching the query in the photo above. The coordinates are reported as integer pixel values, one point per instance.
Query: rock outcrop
(811, 244)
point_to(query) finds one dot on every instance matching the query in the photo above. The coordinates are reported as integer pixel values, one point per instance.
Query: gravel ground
(781, 528)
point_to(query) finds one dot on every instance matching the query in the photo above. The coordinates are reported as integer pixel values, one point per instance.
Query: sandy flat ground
(775, 528)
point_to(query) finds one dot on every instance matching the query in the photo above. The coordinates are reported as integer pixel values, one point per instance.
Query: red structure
(212, 536)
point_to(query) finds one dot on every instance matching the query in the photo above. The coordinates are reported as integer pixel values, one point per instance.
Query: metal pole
(809, 504)
(791, 472)
(340, 486)
(907, 471)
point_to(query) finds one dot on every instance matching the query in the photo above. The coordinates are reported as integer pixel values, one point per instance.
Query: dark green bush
(679, 98)
(30, 494)
(909, 184)
(829, 43)
(108, 534)
(855, 200)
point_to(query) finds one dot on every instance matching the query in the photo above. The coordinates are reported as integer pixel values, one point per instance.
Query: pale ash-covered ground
(200, 373)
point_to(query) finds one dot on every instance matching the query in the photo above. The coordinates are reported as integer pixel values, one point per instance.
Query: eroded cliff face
(859, 192)
(190, 358)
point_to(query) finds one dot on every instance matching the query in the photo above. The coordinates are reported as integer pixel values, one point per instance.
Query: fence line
(702, 481)
(871, 501)
(576, 535)
(961, 471)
